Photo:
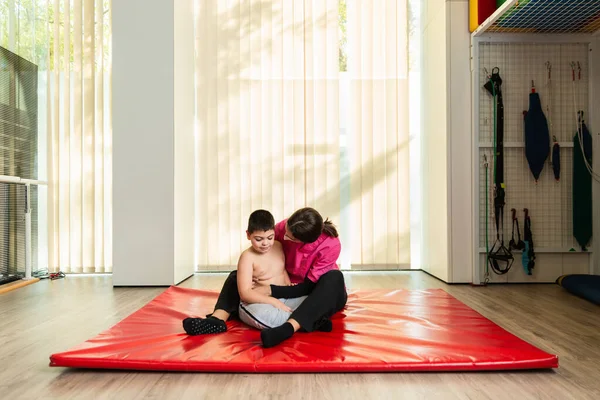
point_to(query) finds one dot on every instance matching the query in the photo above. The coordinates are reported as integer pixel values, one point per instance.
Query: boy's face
(262, 241)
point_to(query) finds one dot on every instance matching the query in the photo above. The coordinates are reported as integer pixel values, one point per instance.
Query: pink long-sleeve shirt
(308, 260)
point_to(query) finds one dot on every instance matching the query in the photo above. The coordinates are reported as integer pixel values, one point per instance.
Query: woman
(311, 248)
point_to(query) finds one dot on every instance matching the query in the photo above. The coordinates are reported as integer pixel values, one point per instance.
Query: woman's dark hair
(306, 224)
(261, 220)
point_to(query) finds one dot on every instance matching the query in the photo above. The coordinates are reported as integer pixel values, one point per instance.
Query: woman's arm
(323, 263)
(326, 260)
(290, 292)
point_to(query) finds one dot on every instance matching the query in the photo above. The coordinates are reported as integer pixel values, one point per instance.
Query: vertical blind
(267, 99)
(69, 40)
(269, 90)
(268, 129)
(378, 69)
(80, 131)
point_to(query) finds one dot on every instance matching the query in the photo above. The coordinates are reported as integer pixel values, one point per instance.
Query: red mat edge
(547, 363)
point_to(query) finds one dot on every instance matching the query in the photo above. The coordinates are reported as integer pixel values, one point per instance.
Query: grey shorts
(264, 316)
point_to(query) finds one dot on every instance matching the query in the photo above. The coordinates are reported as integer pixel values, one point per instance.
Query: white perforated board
(549, 202)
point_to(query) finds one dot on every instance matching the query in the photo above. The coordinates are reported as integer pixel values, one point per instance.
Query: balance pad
(379, 330)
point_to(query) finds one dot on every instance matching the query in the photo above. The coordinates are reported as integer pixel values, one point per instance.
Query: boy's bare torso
(269, 268)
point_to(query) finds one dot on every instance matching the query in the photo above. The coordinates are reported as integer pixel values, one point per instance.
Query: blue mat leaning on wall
(584, 286)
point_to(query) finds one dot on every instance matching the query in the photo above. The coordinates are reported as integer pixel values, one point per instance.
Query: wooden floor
(52, 316)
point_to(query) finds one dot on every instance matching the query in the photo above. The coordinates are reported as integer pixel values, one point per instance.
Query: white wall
(146, 146)
(434, 246)
(460, 143)
(184, 139)
(446, 250)
(415, 81)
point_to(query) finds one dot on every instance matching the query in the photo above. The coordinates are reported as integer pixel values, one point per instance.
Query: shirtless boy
(263, 264)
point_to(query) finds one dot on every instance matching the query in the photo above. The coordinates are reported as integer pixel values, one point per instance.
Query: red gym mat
(381, 330)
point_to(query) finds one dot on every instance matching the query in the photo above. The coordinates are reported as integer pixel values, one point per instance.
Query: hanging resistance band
(499, 257)
(487, 217)
(555, 150)
(528, 256)
(582, 175)
(515, 244)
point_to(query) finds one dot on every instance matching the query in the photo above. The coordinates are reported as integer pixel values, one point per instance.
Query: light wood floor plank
(52, 316)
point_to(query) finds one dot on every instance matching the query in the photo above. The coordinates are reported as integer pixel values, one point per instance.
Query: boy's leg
(265, 316)
(328, 297)
(262, 316)
(227, 304)
(294, 302)
(229, 298)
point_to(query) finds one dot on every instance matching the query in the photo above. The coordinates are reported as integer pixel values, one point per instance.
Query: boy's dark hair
(306, 224)
(261, 220)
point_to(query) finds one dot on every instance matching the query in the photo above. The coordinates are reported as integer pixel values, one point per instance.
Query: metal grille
(549, 202)
(18, 116)
(549, 16)
(12, 230)
(18, 157)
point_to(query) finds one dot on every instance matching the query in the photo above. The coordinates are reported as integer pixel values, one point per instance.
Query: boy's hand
(278, 304)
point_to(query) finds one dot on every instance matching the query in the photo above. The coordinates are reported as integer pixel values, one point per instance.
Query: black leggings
(328, 297)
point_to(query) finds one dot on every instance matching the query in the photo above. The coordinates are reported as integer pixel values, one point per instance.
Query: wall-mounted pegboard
(549, 66)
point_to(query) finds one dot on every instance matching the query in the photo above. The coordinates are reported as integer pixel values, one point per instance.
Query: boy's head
(261, 230)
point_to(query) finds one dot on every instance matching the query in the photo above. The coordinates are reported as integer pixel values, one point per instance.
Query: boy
(263, 264)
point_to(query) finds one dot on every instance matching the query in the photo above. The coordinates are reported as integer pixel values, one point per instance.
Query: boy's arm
(244, 281)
